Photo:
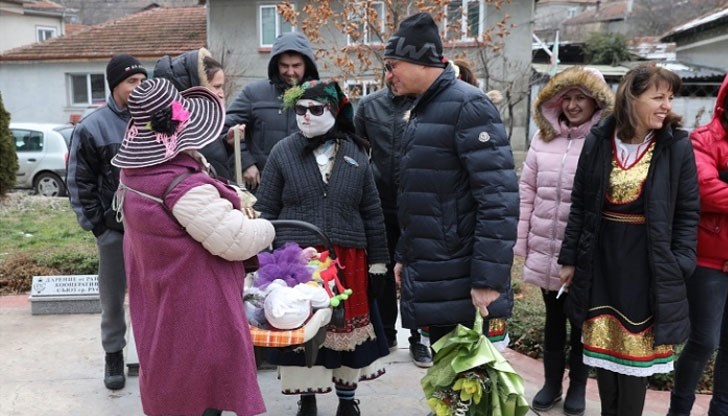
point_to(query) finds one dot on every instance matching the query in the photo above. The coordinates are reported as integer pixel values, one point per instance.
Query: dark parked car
(42, 151)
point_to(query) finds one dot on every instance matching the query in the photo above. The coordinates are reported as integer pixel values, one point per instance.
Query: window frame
(463, 22)
(89, 89)
(366, 86)
(364, 39)
(20, 144)
(45, 29)
(279, 22)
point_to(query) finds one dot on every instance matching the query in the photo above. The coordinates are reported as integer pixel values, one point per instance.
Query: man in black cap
(92, 182)
(458, 192)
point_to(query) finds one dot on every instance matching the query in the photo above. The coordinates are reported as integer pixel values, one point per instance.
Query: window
(28, 140)
(87, 89)
(572, 11)
(464, 20)
(370, 20)
(43, 33)
(272, 25)
(359, 89)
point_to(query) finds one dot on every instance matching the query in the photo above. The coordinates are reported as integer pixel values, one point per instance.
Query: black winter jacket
(91, 179)
(346, 209)
(381, 118)
(458, 206)
(671, 211)
(260, 107)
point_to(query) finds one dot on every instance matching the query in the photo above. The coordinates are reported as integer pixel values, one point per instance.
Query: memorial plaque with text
(65, 294)
(65, 285)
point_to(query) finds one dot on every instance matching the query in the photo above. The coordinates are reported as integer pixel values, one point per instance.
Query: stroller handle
(309, 227)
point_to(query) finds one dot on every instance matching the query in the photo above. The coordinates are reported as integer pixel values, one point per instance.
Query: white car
(42, 151)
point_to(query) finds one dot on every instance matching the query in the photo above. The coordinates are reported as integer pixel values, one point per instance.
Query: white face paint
(311, 125)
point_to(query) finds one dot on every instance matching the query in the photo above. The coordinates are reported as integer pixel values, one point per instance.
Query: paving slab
(52, 365)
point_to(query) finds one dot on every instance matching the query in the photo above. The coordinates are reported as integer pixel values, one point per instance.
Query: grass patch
(40, 236)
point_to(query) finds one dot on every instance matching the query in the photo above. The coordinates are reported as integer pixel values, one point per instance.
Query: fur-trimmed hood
(547, 107)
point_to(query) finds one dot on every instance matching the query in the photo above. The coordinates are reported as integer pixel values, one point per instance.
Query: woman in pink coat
(184, 245)
(565, 110)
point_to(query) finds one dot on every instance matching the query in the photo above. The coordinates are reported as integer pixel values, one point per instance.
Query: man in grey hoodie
(258, 110)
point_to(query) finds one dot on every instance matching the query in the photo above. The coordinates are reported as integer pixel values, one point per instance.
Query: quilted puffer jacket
(458, 206)
(548, 173)
(711, 155)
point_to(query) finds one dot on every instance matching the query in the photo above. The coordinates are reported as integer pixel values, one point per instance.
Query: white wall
(38, 92)
(711, 53)
(19, 30)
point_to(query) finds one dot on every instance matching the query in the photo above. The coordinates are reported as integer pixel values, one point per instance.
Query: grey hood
(292, 42)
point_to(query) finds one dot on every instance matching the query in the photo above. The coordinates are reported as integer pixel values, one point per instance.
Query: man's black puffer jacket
(458, 206)
(671, 210)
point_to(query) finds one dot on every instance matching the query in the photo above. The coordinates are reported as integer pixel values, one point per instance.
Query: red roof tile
(74, 27)
(146, 35)
(42, 5)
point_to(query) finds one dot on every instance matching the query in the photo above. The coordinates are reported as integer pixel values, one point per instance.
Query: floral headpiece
(325, 92)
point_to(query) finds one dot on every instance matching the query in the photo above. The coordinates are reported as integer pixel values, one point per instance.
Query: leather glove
(377, 276)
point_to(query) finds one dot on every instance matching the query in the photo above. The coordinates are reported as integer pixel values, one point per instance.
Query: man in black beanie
(92, 182)
(458, 193)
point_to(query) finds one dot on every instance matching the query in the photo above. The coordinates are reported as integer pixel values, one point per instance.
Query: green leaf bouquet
(469, 377)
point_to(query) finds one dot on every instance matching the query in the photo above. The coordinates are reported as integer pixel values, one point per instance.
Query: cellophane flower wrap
(469, 377)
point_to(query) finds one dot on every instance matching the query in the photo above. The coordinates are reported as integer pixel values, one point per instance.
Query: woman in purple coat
(185, 241)
(565, 110)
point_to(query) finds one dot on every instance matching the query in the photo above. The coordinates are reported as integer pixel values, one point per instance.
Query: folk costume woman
(321, 175)
(565, 110)
(184, 247)
(629, 244)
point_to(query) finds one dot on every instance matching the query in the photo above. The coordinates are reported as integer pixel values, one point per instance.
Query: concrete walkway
(52, 365)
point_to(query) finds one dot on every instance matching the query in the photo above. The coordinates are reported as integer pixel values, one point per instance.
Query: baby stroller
(312, 334)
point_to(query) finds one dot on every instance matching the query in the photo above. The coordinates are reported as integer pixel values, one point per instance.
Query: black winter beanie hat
(418, 41)
(121, 67)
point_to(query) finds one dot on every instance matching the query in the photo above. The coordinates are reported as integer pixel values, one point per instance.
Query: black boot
(348, 408)
(574, 404)
(307, 405)
(550, 393)
(114, 378)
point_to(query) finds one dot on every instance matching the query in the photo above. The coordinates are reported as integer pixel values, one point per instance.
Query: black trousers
(387, 300)
(621, 395)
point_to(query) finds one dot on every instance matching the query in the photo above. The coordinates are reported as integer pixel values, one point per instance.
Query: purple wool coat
(192, 336)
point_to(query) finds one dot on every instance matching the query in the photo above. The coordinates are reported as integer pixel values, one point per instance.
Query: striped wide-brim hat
(165, 122)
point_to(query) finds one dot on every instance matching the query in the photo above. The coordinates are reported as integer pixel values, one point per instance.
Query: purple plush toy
(288, 263)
